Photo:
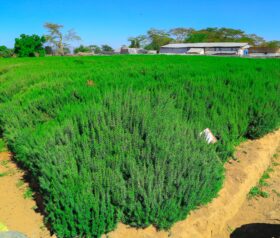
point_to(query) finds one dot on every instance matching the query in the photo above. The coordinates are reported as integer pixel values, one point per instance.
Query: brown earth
(16, 212)
(259, 216)
(215, 219)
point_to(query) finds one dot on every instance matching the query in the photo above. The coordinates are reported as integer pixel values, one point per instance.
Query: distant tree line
(93, 49)
(155, 38)
(57, 42)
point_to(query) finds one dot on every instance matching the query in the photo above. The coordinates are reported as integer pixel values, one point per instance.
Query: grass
(258, 191)
(3, 227)
(5, 163)
(4, 174)
(19, 183)
(28, 194)
(3, 147)
(277, 193)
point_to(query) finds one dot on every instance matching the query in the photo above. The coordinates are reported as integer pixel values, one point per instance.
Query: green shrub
(5, 52)
(30, 46)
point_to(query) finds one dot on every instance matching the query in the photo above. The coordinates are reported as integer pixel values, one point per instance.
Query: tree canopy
(106, 48)
(223, 35)
(57, 39)
(5, 52)
(29, 46)
(82, 49)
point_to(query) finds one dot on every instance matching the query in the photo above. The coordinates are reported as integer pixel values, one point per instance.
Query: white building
(215, 48)
(132, 51)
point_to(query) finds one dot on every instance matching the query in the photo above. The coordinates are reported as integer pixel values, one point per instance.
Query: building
(264, 51)
(132, 51)
(215, 48)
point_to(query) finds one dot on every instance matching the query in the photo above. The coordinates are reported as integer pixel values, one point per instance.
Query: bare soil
(260, 216)
(226, 212)
(17, 208)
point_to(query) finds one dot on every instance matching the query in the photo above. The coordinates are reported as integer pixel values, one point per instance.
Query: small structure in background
(152, 52)
(264, 51)
(85, 54)
(209, 137)
(132, 51)
(215, 48)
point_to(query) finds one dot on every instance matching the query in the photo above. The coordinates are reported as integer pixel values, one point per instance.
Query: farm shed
(216, 48)
(264, 51)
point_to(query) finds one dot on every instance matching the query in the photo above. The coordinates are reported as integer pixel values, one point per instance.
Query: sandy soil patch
(17, 209)
(259, 216)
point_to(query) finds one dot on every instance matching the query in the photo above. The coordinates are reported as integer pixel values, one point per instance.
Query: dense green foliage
(82, 49)
(214, 34)
(126, 147)
(30, 46)
(107, 48)
(5, 52)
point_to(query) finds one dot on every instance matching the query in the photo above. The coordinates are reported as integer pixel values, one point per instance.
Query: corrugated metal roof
(203, 45)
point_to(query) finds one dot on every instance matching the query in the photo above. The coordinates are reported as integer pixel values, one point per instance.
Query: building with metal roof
(215, 48)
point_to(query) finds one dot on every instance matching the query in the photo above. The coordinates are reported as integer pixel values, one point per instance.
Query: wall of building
(208, 51)
(264, 50)
(173, 50)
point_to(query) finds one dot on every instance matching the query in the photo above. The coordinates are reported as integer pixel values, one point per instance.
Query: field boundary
(210, 221)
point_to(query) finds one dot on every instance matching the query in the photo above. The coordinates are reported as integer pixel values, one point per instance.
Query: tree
(273, 44)
(196, 37)
(30, 46)
(57, 39)
(137, 42)
(66, 50)
(48, 50)
(157, 38)
(106, 48)
(5, 52)
(214, 34)
(180, 33)
(83, 49)
(95, 48)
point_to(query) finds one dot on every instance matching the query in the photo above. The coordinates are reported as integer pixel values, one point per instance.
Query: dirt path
(260, 216)
(211, 221)
(17, 209)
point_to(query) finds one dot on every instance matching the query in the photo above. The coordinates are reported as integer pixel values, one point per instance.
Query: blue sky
(113, 21)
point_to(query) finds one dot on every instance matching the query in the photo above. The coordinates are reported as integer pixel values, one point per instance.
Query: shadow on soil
(257, 230)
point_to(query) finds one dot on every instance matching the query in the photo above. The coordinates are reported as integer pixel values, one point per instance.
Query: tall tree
(57, 38)
(137, 42)
(214, 34)
(180, 33)
(157, 38)
(106, 48)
